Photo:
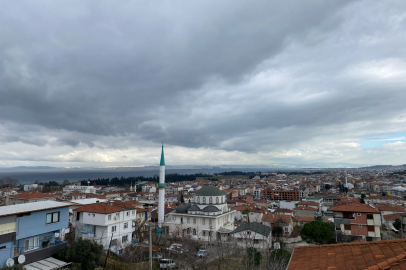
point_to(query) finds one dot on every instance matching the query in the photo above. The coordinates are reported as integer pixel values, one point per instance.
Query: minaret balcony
(161, 185)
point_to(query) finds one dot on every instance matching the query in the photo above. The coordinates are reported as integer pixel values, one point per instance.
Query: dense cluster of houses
(34, 225)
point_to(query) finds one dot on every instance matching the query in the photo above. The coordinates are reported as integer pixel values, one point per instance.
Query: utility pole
(108, 251)
(150, 248)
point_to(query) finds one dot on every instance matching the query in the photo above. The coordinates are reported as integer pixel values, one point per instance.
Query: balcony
(42, 253)
(342, 220)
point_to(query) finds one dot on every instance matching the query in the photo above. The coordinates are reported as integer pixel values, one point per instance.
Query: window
(203, 221)
(188, 220)
(126, 225)
(31, 243)
(173, 218)
(77, 216)
(370, 216)
(113, 228)
(128, 213)
(124, 239)
(217, 200)
(194, 231)
(210, 200)
(114, 242)
(286, 229)
(194, 221)
(133, 212)
(358, 214)
(204, 200)
(109, 217)
(347, 227)
(360, 226)
(53, 217)
(204, 233)
(2, 247)
(140, 215)
(371, 228)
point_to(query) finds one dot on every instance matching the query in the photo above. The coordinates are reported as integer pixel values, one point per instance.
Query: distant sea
(73, 175)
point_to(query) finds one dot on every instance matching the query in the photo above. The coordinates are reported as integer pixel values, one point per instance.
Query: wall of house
(6, 252)
(356, 230)
(304, 213)
(362, 219)
(35, 223)
(45, 240)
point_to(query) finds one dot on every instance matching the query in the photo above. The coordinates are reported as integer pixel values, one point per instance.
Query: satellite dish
(10, 262)
(21, 259)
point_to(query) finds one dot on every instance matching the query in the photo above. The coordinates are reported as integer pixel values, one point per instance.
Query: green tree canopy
(86, 252)
(318, 232)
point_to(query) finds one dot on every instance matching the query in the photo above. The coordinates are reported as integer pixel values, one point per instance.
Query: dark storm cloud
(231, 75)
(103, 68)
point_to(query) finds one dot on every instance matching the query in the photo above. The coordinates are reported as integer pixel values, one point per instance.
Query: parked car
(176, 248)
(202, 253)
(167, 264)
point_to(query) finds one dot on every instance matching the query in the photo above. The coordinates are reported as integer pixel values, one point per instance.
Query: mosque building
(208, 218)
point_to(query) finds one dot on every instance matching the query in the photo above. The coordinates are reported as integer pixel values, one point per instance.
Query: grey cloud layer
(249, 76)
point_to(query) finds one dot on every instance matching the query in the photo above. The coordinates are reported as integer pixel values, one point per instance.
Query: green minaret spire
(162, 157)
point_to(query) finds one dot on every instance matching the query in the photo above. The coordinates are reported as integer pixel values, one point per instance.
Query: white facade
(101, 227)
(32, 186)
(83, 189)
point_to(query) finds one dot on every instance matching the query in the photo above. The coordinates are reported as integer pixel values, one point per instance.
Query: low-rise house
(390, 209)
(306, 211)
(300, 221)
(285, 221)
(31, 230)
(253, 234)
(28, 197)
(357, 221)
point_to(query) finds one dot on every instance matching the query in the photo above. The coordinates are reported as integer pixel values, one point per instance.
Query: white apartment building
(101, 221)
(32, 186)
(83, 189)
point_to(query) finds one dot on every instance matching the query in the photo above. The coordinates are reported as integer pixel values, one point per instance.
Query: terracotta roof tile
(100, 208)
(355, 207)
(388, 254)
(29, 195)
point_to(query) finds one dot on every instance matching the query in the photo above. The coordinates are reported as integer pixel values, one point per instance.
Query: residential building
(83, 189)
(253, 234)
(103, 222)
(270, 193)
(31, 230)
(28, 197)
(285, 221)
(357, 221)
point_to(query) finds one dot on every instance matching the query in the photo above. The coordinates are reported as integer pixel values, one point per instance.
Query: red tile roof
(309, 203)
(100, 208)
(394, 208)
(305, 208)
(355, 207)
(29, 195)
(273, 218)
(387, 254)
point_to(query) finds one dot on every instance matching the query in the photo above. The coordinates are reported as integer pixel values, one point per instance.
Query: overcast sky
(103, 83)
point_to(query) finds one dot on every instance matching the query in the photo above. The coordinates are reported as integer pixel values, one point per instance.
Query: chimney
(97, 201)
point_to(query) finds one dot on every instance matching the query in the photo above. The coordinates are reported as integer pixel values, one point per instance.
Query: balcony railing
(42, 253)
